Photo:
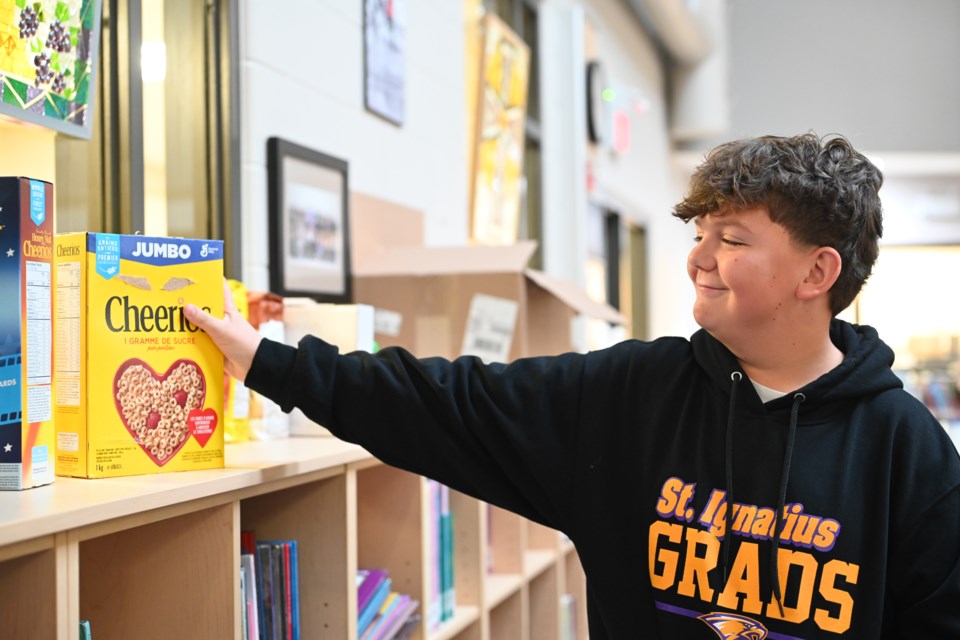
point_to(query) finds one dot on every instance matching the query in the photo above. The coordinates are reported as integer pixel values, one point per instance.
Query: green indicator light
(609, 95)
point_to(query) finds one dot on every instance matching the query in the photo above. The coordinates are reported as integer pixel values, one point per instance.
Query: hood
(865, 370)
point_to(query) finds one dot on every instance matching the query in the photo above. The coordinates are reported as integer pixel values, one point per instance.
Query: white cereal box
(26, 330)
(140, 389)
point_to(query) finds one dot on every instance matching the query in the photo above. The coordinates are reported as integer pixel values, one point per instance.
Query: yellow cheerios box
(139, 389)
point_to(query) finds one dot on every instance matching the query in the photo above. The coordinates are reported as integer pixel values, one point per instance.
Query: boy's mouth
(708, 288)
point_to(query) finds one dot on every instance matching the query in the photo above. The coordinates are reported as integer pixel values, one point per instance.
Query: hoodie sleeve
(928, 566)
(925, 530)
(502, 433)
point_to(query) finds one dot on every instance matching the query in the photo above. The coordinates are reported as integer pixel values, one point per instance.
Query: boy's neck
(788, 363)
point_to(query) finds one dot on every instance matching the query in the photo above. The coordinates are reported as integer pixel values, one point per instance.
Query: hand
(233, 335)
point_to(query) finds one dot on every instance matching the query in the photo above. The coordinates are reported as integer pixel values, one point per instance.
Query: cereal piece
(175, 284)
(135, 281)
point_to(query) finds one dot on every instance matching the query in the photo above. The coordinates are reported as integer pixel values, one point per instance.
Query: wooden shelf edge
(463, 617)
(26, 548)
(497, 587)
(536, 561)
(69, 504)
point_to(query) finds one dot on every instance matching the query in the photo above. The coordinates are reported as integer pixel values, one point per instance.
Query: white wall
(301, 78)
(881, 72)
(642, 185)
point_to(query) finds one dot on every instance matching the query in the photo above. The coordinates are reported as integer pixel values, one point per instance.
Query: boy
(768, 478)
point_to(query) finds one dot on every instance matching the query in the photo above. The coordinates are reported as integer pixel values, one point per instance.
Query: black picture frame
(309, 223)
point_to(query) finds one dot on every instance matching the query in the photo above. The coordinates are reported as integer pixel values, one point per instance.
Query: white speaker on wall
(700, 91)
(694, 35)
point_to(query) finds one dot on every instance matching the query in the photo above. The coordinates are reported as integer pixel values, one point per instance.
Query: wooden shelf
(162, 551)
(500, 586)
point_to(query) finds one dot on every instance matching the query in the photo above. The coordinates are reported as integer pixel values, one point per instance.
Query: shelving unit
(158, 556)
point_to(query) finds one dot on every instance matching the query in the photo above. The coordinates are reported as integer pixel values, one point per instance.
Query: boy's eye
(697, 238)
(733, 243)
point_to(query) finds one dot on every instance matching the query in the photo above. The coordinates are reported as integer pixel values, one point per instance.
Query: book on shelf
(386, 610)
(283, 548)
(383, 614)
(294, 589)
(400, 616)
(369, 580)
(442, 594)
(248, 542)
(407, 629)
(244, 630)
(251, 622)
(367, 614)
(568, 617)
(447, 590)
(435, 602)
(273, 610)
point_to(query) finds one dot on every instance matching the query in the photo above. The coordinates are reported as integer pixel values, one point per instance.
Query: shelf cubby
(158, 555)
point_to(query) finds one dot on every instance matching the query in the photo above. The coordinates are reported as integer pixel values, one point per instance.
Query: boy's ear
(824, 271)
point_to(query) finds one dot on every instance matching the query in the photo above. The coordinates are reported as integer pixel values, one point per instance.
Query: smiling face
(746, 271)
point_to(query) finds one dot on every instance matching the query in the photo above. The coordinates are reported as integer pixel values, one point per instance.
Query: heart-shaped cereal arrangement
(160, 411)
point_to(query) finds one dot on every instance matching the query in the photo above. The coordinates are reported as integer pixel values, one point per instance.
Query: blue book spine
(367, 615)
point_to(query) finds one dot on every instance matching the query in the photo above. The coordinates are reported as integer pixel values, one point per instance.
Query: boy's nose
(701, 257)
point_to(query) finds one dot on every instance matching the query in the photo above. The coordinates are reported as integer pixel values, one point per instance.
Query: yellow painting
(502, 105)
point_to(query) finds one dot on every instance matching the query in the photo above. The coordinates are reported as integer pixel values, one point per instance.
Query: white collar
(766, 393)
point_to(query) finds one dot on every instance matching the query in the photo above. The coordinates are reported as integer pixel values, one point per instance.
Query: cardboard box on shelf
(348, 326)
(26, 333)
(139, 389)
(267, 420)
(446, 301)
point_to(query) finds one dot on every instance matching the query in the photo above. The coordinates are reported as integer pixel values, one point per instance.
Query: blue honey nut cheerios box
(26, 333)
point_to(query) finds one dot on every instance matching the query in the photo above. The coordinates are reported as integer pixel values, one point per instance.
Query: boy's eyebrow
(726, 220)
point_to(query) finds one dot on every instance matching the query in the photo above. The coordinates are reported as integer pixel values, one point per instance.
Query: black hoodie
(634, 451)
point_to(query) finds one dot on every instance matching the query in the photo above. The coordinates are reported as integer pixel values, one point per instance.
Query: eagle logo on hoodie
(730, 626)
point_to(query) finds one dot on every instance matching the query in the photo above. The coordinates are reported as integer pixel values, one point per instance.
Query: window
(163, 158)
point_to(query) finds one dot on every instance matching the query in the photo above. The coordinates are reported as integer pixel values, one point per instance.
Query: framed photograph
(309, 223)
(384, 48)
(48, 63)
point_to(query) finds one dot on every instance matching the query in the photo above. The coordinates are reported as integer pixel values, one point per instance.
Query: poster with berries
(48, 62)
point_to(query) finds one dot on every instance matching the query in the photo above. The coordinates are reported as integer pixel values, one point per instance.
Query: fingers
(200, 318)
(213, 326)
(229, 306)
(236, 338)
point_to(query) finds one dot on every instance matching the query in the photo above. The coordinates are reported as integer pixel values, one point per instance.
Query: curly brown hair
(822, 191)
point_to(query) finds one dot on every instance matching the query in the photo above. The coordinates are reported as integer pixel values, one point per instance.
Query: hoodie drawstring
(798, 398)
(782, 498)
(736, 377)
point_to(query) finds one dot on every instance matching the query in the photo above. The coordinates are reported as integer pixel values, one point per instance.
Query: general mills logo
(207, 250)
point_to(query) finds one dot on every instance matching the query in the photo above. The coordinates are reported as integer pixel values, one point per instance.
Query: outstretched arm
(232, 334)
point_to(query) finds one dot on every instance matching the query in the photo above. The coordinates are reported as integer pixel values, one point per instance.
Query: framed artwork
(502, 106)
(48, 62)
(384, 44)
(309, 223)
